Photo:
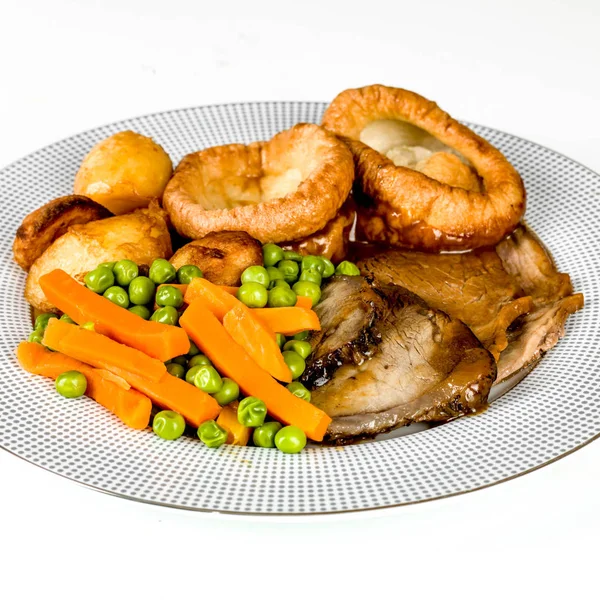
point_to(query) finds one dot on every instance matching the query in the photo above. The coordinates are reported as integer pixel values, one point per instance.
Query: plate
(552, 412)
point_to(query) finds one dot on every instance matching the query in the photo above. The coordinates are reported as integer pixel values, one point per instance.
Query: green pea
(292, 255)
(36, 336)
(108, 265)
(302, 336)
(89, 325)
(117, 295)
(208, 380)
(279, 296)
(141, 311)
(275, 275)
(256, 274)
(272, 254)
(99, 280)
(191, 373)
(71, 384)
(198, 361)
(166, 314)
(67, 319)
(125, 272)
(193, 351)
(347, 268)
(282, 283)
(253, 294)
(328, 269)
(168, 295)
(312, 276)
(289, 269)
(280, 338)
(180, 360)
(162, 271)
(176, 370)
(290, 439)
(168, 425)
(186, 273)
(141, 290)
(228, 393)
(41, 321)
(264, 436)
(295, 362)
(251, 412)
(302, 348)
(299, 390)
(211, 434)
(314, 263)
(308, 289)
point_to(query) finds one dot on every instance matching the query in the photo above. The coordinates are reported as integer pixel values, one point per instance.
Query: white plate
(552, 412)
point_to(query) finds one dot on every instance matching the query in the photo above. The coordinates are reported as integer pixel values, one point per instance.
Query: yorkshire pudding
(332, 240)
(277, 191)
(427, 181)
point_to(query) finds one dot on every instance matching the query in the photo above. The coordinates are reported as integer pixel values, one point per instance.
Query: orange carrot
(171, 393)
(230, 289)
(100, 351)
(303, 302)
(130, 406)
(234, 362)
(82, 305)
(288, 320)
(237, 434)
(257, 340)
(218, 300)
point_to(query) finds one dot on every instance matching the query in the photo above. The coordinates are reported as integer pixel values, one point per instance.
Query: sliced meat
(510, 296)
(422, 366)
(538, 332)
(473, 287)
(350, 307)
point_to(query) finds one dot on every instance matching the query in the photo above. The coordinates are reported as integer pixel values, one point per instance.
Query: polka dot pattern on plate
(553, 411)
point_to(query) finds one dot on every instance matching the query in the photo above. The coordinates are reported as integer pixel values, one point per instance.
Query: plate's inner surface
(549, 413)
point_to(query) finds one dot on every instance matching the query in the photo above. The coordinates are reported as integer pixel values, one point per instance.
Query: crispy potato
(221, 256)
(41, 227)
(124, 172)
(140, 236)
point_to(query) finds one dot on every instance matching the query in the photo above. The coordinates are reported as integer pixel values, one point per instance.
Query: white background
(524, 66)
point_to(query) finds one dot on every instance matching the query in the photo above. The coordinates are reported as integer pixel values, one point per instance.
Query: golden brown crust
(140, 236)
(332, 240)
(221, 256)
(409, 208)
(42, 226)
(124, 172)
(281, 190)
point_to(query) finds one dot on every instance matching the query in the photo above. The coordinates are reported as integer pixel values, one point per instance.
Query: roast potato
(140, 236)
(221, 256)
(124, 172)
(41, 227)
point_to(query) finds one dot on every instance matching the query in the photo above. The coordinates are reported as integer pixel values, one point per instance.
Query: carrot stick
(100, 351)
(304, 302)
(218, 300)
(171, 393)
(130, 406)
(230, 289)
(257, 340)
(82, 305)
(234, 362)
(237, 434)
(288, 320)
